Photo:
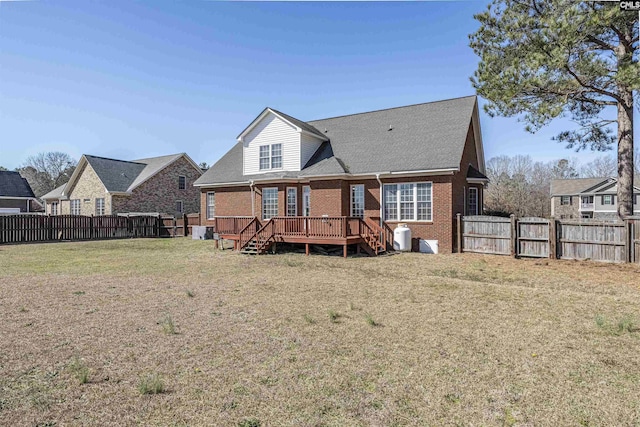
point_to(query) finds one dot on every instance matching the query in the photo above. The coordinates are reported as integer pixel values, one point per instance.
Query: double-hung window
(75, 206)
(182, 182)
(607, 199)
(565, 200)
(473, 201)
(269, 203)
(211, 205)
(179, 206)
(357, 200)
(54, 208)
(292, 201)
(270, 156)
(100, 206)
(408, 202)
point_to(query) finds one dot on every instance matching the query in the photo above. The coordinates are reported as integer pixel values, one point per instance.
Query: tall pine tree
(543, 59)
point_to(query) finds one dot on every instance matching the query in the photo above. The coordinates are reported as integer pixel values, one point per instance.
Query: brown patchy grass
(309, 341)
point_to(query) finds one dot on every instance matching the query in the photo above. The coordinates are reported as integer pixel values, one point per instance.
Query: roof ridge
(394, 108)
(115, 160)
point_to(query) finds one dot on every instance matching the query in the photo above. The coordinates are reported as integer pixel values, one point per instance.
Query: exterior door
(306, 200)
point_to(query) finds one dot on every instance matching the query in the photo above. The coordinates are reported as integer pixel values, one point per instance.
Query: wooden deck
(252, 236)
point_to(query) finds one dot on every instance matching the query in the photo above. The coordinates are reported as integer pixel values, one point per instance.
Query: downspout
(253, 199)
(381, 201)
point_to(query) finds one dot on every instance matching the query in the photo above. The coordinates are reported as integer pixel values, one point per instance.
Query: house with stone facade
(583, 198)
(349, 180)
(102, 186)
(16, 195)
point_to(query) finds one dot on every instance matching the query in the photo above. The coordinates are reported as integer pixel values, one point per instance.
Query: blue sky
(138, 79)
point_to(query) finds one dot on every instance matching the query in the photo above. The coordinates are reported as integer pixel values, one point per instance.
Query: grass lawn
(172, 332)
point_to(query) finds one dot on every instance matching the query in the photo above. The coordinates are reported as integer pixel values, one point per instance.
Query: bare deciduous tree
(46, 171)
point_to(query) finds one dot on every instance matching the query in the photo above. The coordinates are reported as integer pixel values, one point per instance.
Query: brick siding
(160, 192)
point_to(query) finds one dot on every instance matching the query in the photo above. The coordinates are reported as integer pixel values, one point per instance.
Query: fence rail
(543, 238)
(43, 228)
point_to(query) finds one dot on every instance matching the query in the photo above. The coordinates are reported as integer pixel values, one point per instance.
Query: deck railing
(231, 224)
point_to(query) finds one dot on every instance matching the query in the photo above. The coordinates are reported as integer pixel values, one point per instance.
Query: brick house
(582, 198)
(16, 195)
(101, 186)
(420, 165)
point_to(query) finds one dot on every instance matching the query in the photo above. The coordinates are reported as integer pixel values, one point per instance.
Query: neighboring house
(588, 198)
(101, 186)
(16, 195)
(420, 164)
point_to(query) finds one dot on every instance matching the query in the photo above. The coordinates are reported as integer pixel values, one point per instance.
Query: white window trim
(103, 209)
(295, 201)
(71, 205)
(471, 190)
(351, 200)
(185, 182)
(270, 157)
(415, 201)
(306, 189)
(562, 199)
(610, 196)
(263, 203)
(209, 206)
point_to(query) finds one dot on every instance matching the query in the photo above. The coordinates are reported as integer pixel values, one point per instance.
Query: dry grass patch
(294, 340)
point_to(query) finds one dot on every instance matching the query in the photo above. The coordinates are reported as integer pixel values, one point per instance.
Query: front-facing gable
(295, 143)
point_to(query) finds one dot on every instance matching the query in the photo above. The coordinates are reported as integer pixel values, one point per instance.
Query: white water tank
(402, 237)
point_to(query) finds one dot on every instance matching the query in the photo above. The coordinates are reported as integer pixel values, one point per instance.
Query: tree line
(46, 171)
(521, 186)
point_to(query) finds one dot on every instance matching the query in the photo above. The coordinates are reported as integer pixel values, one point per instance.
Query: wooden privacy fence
(595, 240)
(42, 228)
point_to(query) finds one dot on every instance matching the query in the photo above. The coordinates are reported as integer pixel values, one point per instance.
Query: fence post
(514, 237)
(91, 227)
(459, 235)
(628, 242)
(553, 236)
(185, 224)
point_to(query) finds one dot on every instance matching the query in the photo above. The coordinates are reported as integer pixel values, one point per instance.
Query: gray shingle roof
(116, 175)
(56, 193)
(153, 166)
(567, 187)
(14, 185)
(300, 124)
(412, 138)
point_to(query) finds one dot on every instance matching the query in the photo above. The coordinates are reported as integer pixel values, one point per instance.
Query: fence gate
(635, 241)
(487, 235)
(533, 237)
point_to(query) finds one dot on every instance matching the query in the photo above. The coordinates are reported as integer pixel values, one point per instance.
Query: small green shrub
(168, 326)
(190, 293)
(151, 384)
(79, 293)
(249, 422)
(601, 321)
(370, 320)
(80, 370)
(310, 320)
(333, 316)
(626, 324)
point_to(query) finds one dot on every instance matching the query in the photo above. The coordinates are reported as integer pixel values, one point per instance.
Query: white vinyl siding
(357, 200)
(292, 201)
(271, 130)
(211, 205)
(408, 202)
(308, 146)
(269, 203)
(75, 206)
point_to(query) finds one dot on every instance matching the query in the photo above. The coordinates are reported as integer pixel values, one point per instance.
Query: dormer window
(270, 156)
